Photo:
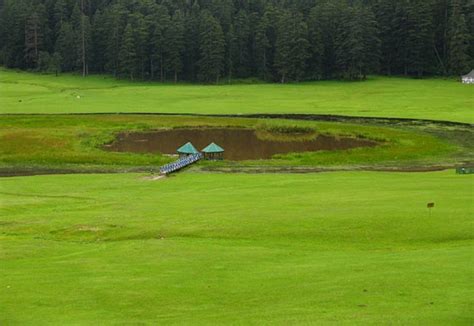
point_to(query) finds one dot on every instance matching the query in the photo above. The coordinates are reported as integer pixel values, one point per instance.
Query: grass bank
(353, 248)
(74, 143)
(437, 99)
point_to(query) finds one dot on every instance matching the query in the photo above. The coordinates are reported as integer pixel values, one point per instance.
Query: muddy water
(239, 144)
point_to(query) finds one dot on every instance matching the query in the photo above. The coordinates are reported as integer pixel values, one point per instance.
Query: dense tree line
(215, 40)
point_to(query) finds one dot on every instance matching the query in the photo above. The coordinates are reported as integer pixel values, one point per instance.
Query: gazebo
(187, 149)
(469, 78)
(213, 152)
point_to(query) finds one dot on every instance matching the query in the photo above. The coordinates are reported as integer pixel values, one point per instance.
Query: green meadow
(354, 248)
(102, 240)
(436, 99)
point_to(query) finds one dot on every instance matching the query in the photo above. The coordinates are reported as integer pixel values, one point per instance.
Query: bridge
(181, 163)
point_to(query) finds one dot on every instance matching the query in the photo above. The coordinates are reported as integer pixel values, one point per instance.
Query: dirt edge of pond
(153, 173)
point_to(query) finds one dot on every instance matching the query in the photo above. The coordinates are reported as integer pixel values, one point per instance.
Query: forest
(216, 41)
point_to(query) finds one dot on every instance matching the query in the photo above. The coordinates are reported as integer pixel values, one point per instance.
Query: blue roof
(213, 148)
(187, 148)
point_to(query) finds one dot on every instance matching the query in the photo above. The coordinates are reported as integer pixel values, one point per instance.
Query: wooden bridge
(181, 163)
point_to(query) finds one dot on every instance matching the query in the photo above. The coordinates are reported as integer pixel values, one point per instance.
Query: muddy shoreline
(8, 173)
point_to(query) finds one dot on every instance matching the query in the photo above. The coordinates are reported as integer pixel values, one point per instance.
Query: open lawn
(438, 99)
(203, 247)
(345, 248)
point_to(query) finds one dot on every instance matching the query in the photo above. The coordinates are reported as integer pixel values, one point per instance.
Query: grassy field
(75, 143)
(231, 248)
(345, 248)
(437, 99)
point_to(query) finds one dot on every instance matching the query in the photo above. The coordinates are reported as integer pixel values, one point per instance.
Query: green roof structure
(187, 148)
(213, 148)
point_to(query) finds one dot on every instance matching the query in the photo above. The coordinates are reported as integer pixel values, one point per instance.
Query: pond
(239, 144)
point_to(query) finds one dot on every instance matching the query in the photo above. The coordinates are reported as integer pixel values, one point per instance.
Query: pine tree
(299, 51)
(33, 39)
(141, 37)
(49, 63)
(98, 48)
(349, 46)
(292, 47)
(371, 41)
(60, 13)
(356, 43)
(458, 40)
(240, 48)
(191, 39)
(114, 24)
(44, 24)
(161, 21)
(469, 10)
(262, 49)
(127, 55)
(315, 38)
(265, 43)
(223, 11)
(81, 24)
(55, 63)
(330, 15)
(386, 16)
(175, 45)
(283, 46)
(43, 61)
(212, 51)
(231, 49)
(440, 30)
(419, 46)
(66, 47)
(13, 18)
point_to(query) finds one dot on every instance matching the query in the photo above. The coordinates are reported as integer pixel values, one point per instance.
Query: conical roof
(213, 148)
(471, 74)
(187, 148)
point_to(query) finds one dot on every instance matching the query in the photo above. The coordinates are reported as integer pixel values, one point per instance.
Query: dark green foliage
(174, 37)
(458, 39)
(283, 46)
(315, 38)
(262, 48)
(203, 40)
(49, 63)
(97, 60)
(356, 43)
(33, 39)
(160, 22)
(127, 57)
(66, 47)
(212, 49)
(292, 47)
(239, 49)
(389, 33)
(419, 42)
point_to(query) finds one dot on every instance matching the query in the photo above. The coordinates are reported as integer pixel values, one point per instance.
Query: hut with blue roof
(187, 149)
(213, 152)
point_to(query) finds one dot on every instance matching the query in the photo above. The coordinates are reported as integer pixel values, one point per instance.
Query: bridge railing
(181, 163)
